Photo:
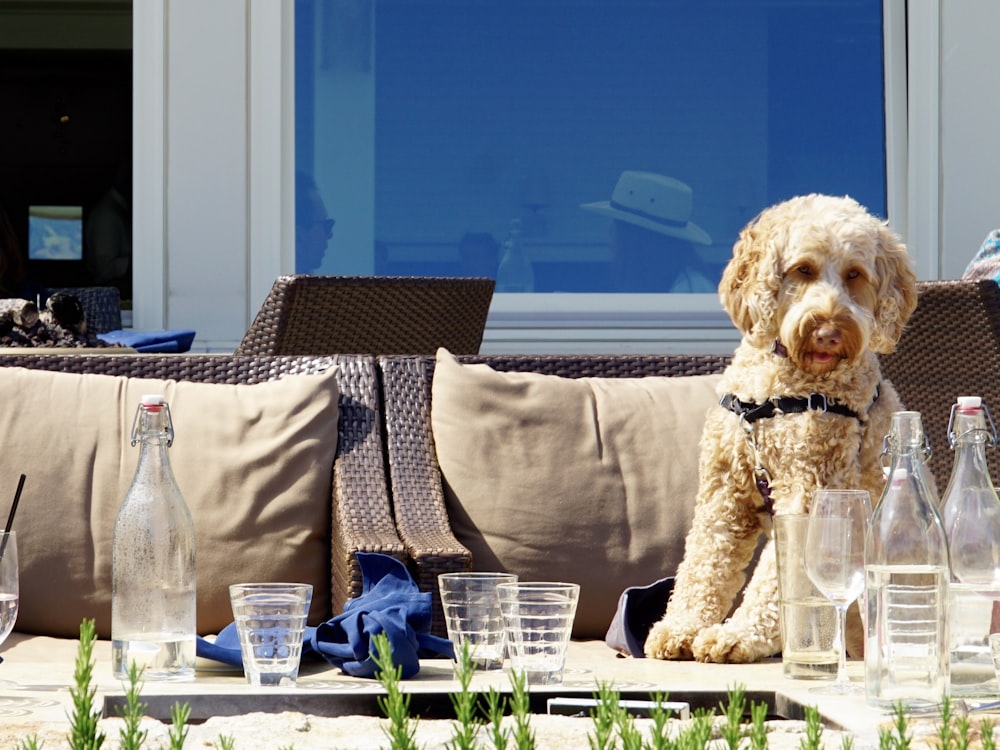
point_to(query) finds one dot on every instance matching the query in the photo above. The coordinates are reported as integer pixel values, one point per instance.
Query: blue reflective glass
(575, 145)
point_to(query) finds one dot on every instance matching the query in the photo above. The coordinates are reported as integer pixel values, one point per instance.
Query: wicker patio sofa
(356, 505)
(951, 347)
(421, 513)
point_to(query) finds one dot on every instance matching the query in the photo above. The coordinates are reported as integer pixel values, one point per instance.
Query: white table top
(42, 669)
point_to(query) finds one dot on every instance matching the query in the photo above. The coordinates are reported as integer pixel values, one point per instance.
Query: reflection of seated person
(108, 234)
(313, 227)
(986, 263)
(652, 236)
(479, 254)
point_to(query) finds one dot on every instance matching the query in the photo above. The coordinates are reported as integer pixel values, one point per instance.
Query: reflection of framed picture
(55, 233)
(346, 35)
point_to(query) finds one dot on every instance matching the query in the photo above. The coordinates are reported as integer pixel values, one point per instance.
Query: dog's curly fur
(817, 287)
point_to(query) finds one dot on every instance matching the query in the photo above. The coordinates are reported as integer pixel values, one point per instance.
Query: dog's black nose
(826, 335)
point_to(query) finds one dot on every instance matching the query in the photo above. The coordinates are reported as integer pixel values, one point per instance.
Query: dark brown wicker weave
(370, 315)
(950, 348)
(415, 478)
(361, 515)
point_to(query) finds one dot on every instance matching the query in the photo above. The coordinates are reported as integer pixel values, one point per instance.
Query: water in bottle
(153, 561)
(907, 574)
(970, 511)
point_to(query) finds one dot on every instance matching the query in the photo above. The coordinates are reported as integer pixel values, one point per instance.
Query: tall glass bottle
(153, 560)
(970, 511)
(906, 581)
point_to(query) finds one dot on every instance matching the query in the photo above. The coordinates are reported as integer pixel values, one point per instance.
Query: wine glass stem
(841, 644)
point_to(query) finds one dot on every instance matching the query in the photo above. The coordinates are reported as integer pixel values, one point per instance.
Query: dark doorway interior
(65, 134)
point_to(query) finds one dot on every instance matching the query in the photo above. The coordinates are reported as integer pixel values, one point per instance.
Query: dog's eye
(852, 274)
(804, 270)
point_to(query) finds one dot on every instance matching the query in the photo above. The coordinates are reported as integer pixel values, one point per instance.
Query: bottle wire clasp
(886, 461)
(991, 432)
(169, 424)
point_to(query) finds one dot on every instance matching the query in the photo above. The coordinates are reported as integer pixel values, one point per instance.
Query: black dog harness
(749, 412)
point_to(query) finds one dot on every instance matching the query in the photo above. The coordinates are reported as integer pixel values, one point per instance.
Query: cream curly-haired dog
(818, 287)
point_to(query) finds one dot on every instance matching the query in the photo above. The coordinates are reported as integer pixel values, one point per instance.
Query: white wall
(970, 129)
(210, 152)
(207, 169)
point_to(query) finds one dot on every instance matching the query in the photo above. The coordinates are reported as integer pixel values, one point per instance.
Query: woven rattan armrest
(306, 314)
(950, 348)
(361, 518)
(415, 477)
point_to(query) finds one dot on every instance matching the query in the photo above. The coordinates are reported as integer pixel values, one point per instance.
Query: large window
(620, 144)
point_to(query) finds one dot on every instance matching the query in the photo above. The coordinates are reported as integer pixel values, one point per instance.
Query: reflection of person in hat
(313, 227)
(652, 235)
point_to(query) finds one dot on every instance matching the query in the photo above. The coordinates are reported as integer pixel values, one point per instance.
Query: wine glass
(834, 560)
(8, 584)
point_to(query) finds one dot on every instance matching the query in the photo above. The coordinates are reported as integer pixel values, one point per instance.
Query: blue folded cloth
(639, 608)
(225, 647)
(389, 603)
(168, 341)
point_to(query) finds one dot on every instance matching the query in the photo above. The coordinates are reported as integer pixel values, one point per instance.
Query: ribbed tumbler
(538, 617)
(270, 621)
(472, 615)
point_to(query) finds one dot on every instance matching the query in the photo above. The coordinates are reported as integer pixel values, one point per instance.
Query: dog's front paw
(668, 641)
(726, 644)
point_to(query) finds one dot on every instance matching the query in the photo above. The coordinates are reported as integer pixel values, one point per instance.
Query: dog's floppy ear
(751, 280)
(897, 290)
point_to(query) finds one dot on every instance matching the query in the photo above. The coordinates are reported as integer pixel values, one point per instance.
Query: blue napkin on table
(389, 602)
(169, 341)
(225, 647)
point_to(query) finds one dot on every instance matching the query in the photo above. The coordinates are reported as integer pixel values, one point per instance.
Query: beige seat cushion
(254, 464)
(590, 480)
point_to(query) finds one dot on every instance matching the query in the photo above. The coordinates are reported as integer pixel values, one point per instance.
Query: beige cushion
(591, 480)
(254, 463)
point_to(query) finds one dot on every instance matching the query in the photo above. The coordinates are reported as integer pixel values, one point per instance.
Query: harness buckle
(817, 401)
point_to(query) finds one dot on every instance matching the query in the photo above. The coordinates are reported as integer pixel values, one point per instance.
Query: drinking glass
(472, 615)
(8, 586)
(270, 621)
(834, 560)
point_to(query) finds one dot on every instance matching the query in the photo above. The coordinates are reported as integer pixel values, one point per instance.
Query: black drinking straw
(10, 516)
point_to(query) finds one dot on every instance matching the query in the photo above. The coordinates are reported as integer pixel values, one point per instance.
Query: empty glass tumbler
(471, 607)
(271, 621)
(539, 618)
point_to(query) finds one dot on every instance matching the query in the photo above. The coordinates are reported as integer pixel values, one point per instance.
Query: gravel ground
(262, 731)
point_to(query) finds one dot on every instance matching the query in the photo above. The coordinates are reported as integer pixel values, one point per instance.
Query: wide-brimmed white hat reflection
(655, 202)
